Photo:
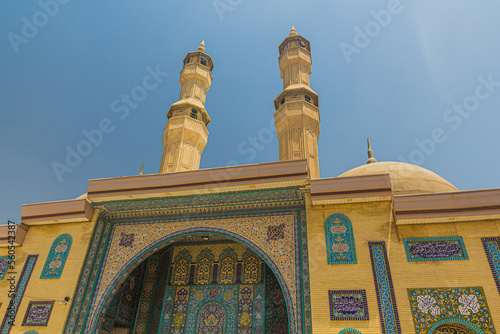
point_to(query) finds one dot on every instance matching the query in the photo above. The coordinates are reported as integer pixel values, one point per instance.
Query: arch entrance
(202, 283)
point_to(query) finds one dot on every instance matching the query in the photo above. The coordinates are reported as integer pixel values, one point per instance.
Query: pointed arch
(56, 259)
(455, 322)
(204, 262)
(340, 248)
(172, 238)
(227, 270)
(203, 271)
(227, 260)
(251, 269)
(182, 262)
(211, 318)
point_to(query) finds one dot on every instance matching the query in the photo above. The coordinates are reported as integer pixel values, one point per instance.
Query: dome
(405, 178)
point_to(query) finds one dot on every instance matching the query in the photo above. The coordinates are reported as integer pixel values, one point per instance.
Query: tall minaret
(186, 133)
(297, 113)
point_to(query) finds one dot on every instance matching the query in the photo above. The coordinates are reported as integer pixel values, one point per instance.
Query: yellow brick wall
(38, 240)
(373, 222)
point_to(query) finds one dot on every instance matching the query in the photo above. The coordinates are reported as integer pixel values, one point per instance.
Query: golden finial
(142, 169)
(201, 48)
(371, 158)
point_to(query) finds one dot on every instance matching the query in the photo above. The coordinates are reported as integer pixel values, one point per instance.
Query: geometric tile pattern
(435, 249)
(258, 309)
(276, 232)
(306, 292)
(141, 321)
(348, 305)
(130, 292)
(159, 293)
(275, 310)
(211, 319)
(179, 310)
(436, 306)
(245, 309)
(168, 304)
(340, 247)
(127, 240)
(385, 292)
(38, 313)
(85, 314)
(15, 301)
(56, 259)
(281, 253)
(492, 249)
(82, 299)
(227, 308)
(200, 204)
(4, 265)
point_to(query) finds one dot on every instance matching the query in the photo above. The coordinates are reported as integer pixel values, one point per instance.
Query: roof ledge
(69, 211)
(352, 189)
(13, 236)
(459, 206)
(282, 174)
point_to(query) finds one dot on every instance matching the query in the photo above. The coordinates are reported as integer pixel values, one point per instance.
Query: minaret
(297, 113)
(186, 133)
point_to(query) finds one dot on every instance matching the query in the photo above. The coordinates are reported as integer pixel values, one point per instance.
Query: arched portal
(271, 223)
(237, 293)
(454, 326)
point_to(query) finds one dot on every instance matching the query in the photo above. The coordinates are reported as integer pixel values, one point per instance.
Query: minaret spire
(186, 134)
(297, 113)
(371, 158)
(201, 48)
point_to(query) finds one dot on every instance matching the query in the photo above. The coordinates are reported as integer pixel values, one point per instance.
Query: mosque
(268, 248)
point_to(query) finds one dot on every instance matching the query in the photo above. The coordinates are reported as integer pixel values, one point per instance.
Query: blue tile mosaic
(383, 285)
(348, 305)
(435, 249)
(340, 246)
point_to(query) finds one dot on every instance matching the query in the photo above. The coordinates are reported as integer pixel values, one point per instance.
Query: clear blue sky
(385, 70)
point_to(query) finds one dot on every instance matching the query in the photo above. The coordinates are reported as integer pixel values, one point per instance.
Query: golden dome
(405, 178)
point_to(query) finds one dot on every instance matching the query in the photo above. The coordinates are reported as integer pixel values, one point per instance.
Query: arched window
(307, 98)
(227, 270)
(181, 272)
(194, 113)
(251, 270)
(57, 257)
(203, 274)
(204, 60)
(340, 248)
